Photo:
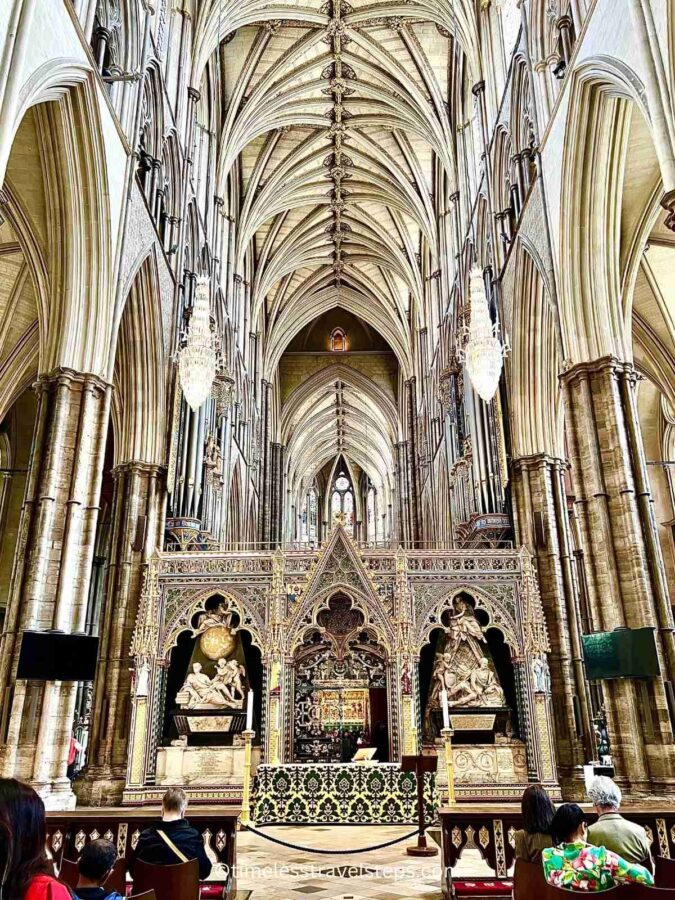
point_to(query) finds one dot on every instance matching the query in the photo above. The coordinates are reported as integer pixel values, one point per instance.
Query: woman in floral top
(578, 866)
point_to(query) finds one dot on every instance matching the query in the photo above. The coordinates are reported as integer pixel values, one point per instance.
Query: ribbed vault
(335, 136)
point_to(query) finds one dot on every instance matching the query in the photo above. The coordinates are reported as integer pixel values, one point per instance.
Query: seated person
(27, 872)
(579, 866)
(535, 835)
(625, 838)
(173, 840)
(95, 865)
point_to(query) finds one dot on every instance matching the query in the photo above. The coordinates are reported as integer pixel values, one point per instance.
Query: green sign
(622, 653)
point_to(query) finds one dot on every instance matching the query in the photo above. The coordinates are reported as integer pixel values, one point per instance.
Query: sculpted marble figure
(223, 690)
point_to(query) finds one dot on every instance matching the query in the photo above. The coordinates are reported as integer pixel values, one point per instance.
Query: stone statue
(541, 676)
(213, 458)
(465, 629)
(198, 691)
(406, 679)
(463, 669)
(484, 689)
(220, 617)
(143, 679)
(223, 690)
(228, 681)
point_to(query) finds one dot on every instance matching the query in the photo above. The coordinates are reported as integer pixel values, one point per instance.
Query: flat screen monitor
(622, 653)
(55, 656)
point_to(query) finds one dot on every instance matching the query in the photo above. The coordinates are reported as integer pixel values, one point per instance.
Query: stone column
(624, 572)
(412, 460)
(525, 716)
(52, 570)
(265, 517)
(138, 521)
(542, 526)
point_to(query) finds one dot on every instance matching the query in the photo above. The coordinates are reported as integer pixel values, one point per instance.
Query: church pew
(528, 880)
(116, 881)
(168, 882)
(489, 827)
(665, 872)
(69, 831)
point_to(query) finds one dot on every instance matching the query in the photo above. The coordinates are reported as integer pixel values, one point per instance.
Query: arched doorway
(340, 687)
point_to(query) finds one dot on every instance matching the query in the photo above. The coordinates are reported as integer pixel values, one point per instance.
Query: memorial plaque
(473, 722)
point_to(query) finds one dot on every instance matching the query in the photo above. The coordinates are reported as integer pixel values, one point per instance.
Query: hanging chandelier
(197, 361)
(484, 351)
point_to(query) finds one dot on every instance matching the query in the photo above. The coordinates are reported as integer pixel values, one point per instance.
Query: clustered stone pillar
(543, 527)
(624, 572)
(265, 516)
(51, 577)
(138, 521)
(412, 461)
(276, 476)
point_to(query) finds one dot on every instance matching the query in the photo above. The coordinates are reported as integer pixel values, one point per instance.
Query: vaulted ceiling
(337, 130)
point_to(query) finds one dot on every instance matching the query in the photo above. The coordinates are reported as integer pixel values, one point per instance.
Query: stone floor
(267, 871)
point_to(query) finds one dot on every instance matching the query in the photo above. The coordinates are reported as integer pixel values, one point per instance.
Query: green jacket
(623, 837)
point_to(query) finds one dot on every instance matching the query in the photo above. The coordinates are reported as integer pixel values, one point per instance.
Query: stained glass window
(342, 500)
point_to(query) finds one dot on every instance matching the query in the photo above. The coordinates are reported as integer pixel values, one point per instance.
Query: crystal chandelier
(484, 351)
(197, 361)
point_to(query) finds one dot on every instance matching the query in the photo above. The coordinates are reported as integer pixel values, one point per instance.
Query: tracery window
(309, 519)
(371, 529)
(338, 340)
(342, 500)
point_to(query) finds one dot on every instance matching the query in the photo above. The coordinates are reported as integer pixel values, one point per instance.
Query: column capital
(605, 365)
(668, 203)
(139, 467)
(537, 460)
(62, 375)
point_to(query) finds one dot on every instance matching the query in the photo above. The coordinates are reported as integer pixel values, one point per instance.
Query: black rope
(269, 837)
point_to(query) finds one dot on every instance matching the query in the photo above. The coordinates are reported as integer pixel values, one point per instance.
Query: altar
(340, 794)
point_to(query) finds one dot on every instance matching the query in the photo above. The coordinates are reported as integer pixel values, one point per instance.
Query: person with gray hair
(624, 837)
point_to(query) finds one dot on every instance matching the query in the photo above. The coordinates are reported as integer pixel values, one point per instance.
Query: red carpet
(479, 889)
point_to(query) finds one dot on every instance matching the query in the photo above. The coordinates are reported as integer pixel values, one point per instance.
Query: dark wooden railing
(489, 828)
(68, 832)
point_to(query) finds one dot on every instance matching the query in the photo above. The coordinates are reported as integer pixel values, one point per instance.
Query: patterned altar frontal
(333, 794)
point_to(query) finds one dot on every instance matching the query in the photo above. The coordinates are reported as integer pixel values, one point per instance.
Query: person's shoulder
(45, 887)
(187, 828)
(634, 826)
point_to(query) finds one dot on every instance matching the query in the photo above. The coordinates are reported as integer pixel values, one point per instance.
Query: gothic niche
(463, 666)
(340, 688)
(208, 676)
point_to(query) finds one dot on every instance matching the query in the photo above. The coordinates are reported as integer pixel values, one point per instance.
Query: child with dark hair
(576, 865)
(25, 869)
(95, 865)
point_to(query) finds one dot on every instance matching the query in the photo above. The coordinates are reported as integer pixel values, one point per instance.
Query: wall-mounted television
(622, 653)
(56, 656)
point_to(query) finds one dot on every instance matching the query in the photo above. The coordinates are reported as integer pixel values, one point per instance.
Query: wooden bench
(489, 828)
(69, 831)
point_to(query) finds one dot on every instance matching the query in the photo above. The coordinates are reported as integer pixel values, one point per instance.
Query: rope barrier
(275, 840)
